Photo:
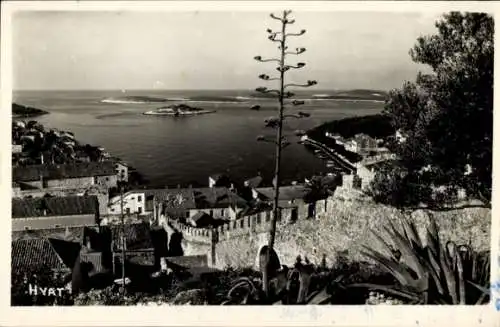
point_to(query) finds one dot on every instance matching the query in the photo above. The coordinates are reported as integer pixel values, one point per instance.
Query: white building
(218, 202)
(17, 148)
(352, 146)
(121, 171)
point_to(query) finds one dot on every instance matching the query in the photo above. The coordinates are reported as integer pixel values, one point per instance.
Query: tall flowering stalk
(283, 96)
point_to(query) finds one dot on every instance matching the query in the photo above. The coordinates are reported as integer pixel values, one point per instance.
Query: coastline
(21, 111)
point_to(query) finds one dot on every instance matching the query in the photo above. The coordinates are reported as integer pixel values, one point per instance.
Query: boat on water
(178, 110)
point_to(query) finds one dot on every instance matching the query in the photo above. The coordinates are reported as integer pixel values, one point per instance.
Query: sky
(210, 50)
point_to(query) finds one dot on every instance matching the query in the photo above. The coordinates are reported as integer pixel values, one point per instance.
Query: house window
(211, 213)
(139, 210)
(107, 179)
(27, 228)
(187, 214)
(139, 198)
(222, 212)
(241, 223)
(112, 209)
(57, 225)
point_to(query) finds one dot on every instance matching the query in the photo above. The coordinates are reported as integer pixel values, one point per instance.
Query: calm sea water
(171, 151)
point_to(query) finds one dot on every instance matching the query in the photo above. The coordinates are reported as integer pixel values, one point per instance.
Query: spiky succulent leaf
(396, 270)
(381, 240)
(461, 283)
(448, 275)
(408, 255)
(411, 233)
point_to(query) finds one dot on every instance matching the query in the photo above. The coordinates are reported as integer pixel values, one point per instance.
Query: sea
(171, 151)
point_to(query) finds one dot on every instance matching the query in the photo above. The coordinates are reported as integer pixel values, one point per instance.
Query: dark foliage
(24, 111)
(446, 116)
(377, 126)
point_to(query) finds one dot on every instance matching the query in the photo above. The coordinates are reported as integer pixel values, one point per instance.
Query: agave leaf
(408, 254)
(304, 282)
(386, 245)
(435, 271)
(449, 276)
(432, 244)
(451, 250)
(483, 289)
(485, 267)
(474, 266)
(411, 231)
(461, 284)
(382, 241)
(395, 269)
(319, 297)
(481, 299)
(432, 229)
(243, 283)
(390, 290)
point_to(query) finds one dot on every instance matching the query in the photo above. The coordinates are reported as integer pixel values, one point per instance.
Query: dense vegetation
(377, 126)
(445, 117)
(20, 111)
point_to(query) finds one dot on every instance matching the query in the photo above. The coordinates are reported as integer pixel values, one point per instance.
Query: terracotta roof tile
(30, 254)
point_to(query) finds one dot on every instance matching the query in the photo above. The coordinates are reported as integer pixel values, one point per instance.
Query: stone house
(54, 212)
(121, 169)
(292, 201)
(74, 175)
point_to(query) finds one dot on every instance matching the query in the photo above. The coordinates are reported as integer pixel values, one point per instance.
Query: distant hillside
(20, 111)
(377, 126)
(358, 94)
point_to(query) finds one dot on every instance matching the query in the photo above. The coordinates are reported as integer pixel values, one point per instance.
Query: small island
(178, 110)
(20, 111)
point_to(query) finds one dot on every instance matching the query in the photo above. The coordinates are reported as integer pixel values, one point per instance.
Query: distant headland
(20, 111)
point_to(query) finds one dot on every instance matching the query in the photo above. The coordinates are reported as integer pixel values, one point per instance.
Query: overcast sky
(209, 50)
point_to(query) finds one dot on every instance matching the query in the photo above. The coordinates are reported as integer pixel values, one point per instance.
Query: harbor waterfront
(225, 141)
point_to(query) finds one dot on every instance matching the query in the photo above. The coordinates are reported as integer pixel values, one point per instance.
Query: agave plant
(287, 286)
(430, 272)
